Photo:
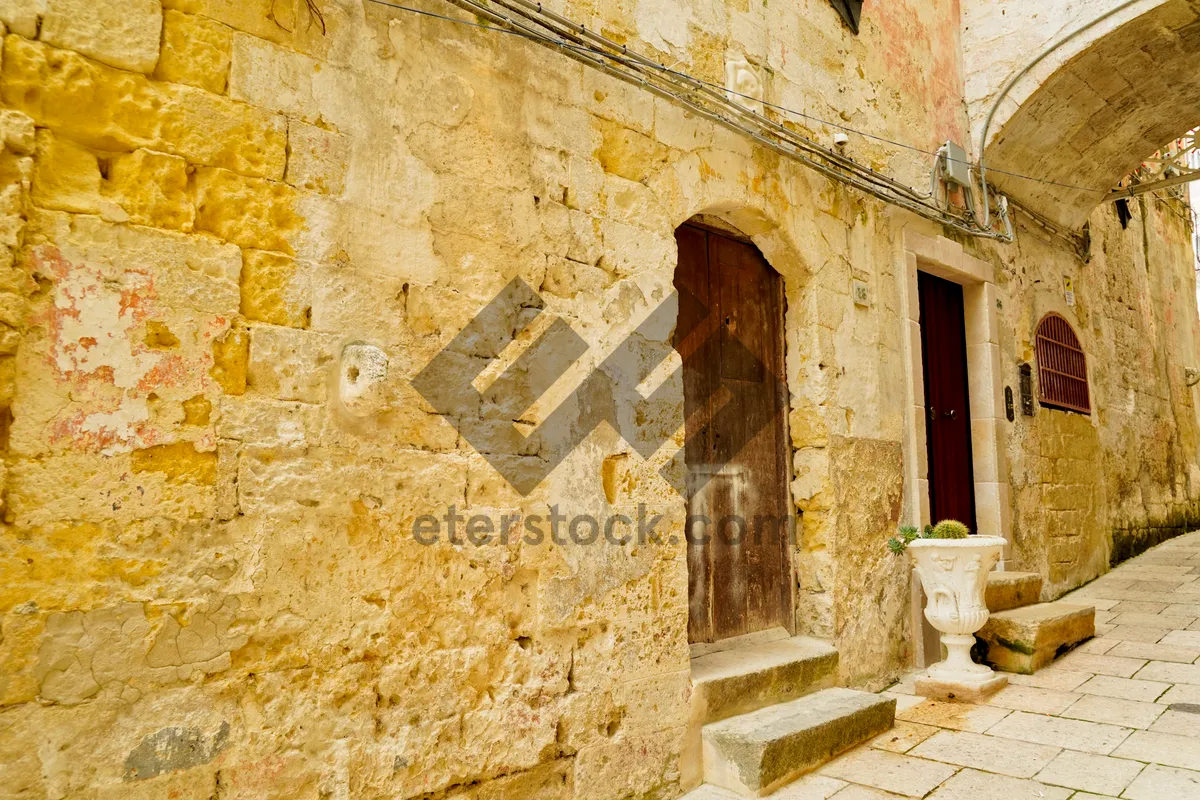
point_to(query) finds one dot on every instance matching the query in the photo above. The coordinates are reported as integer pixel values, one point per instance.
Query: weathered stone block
(193, 272)
(249, 212)
(231, 358)
(754, 754)
(280, 79)
(548, 781)
(290, 364)
(629, 765)
(121, 33)
(746, 679)
(1008, 590)
(1026, 639)
(317, 158)
(195, 51)
(152, 189)
(112, 109)
(272, 290)
(628, 153)
(21, 16)
(17, 131)
(67, 176)
(268, 19)
(180, 461)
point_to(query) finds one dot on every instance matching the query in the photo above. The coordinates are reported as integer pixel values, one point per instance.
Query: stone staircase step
(733, 682)
(1026, 639)
(754, 754)
(1009, 590)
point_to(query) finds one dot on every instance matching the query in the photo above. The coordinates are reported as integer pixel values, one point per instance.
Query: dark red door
(730, 338)
(947, 406)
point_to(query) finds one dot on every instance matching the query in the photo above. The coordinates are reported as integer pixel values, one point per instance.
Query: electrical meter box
(955, 166)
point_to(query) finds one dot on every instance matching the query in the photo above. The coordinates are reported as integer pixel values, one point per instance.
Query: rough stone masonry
(217, 217)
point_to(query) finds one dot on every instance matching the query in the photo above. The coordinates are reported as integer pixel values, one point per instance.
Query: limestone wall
(1088, 491)
(209, 577)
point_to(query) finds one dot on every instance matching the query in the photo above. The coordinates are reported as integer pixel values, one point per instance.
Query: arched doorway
(730, 336)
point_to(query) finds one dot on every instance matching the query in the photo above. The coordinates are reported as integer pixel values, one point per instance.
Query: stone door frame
(945, 258)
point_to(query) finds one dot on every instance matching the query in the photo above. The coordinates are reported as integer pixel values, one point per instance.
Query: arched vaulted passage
(1102, 111)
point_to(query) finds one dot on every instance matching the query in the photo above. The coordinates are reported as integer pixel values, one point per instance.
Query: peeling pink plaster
(97, 351)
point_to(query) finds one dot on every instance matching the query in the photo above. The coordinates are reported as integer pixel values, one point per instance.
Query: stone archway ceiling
(1099, 116)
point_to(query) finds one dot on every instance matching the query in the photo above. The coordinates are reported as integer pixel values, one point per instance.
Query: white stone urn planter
(954, 574)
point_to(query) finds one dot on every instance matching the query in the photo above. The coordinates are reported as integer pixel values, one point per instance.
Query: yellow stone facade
(208, 576)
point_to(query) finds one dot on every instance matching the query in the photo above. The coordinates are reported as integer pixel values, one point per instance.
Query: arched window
(1062, 366)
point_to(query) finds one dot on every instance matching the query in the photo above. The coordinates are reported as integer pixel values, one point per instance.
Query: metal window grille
(1062, 366)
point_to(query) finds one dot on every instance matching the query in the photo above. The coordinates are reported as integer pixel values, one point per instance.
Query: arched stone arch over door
(730, 335)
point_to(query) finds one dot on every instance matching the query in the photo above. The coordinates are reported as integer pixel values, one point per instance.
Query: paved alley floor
(1119, 717)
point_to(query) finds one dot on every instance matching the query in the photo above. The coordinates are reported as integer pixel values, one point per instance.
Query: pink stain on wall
(921, 48)
(110, 378)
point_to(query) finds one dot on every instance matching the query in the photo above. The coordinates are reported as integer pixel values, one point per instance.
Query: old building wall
(209, 569)
(210, 574)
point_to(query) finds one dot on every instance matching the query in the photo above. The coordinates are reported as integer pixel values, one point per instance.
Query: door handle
(951, 413)
(932, 414)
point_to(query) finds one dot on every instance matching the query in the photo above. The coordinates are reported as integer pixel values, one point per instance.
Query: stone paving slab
(1168, 749)
(1170, 672)
(1033, 699)
(903, 737)
(1090, 773)
(1101, 664)
(973, 784)
(1178, 722)
(953, 716)
(1017, 759)
(1074, 734)
(1123, 688)
(878, 769)
(1155, 652)
(1114, 711)
(1051, 678)
(1164, 783)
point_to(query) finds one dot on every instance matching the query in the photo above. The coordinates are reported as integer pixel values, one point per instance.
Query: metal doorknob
(951, 413)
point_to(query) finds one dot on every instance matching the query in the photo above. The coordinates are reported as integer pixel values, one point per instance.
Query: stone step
(1026, 639)
(733, 682)
(1008, 590)
(755, 754)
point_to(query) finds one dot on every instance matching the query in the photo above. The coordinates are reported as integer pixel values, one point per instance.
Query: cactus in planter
(946, 529)
(949, 529)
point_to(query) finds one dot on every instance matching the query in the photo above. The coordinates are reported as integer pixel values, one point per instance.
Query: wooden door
(947, 403)
(730, 338)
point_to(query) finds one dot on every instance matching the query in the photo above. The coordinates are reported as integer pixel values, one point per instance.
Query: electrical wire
(699, 96)
(715, 106)
(775, 106)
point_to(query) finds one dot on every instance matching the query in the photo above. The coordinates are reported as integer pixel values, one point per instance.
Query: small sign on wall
(861, 292)
(1069, 291)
